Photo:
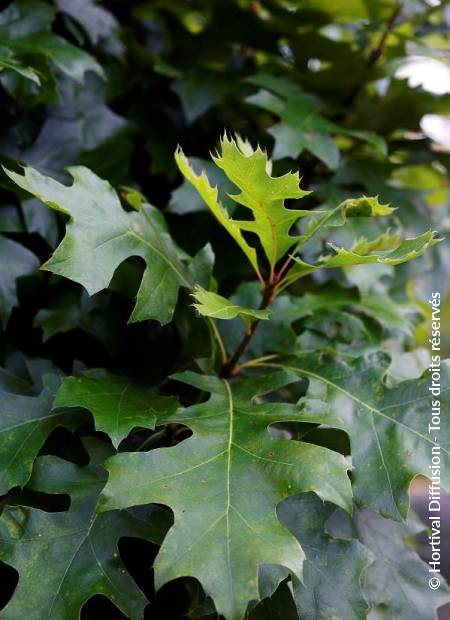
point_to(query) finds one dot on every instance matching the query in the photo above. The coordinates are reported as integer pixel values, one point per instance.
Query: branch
(377, 52)
(229, 368)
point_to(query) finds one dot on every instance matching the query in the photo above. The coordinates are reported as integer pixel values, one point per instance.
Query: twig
(218, 337)
(148, 441)
(377, 52)
(228, 369)
(256, 361)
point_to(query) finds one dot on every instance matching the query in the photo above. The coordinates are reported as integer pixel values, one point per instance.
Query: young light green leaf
(64, 558)
(117, 405)
(218, 307)
(223, 530)
(186, 199)
(275, 335)
(263, 194)
(260, 192)
(100, 235)
(383, 250)
(388, 427)
(210, 196)
(386, 241)
(406, 250)
(366, 206)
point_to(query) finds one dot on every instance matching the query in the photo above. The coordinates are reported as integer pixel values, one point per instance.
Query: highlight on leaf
(274, 224)
(385, 251)
(366, 206)
(101, 235)
(118, 406)
(264, 195)
(218, 307)
(210, 196)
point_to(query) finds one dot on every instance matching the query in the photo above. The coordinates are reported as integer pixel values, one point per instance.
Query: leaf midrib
(141, 239)
(313, 375)
(258, 202)
(119, 408)
(385, 467)
(72, 559)
(50, 415)
(228, 507)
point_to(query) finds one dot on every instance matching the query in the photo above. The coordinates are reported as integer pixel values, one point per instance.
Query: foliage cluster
(215, 390)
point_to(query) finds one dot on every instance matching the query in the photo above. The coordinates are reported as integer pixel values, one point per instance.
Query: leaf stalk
(230, 368)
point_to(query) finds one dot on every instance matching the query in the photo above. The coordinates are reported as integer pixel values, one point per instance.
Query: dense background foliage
(354, 94)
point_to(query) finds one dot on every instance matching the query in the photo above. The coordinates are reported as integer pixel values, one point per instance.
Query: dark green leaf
(25, 33)
(101, 235)
(223, 530)
(117, 405)
(15, 261)
(388, 428)
(64, 558)
(334, 570)
(27, 421)
(396, 583)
